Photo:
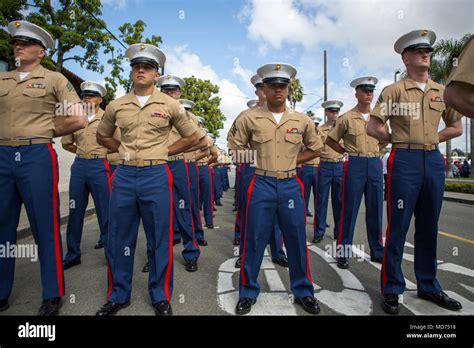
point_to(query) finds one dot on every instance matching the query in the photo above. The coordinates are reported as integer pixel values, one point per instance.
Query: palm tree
(444, 54)
(295, 92)
(310, 113)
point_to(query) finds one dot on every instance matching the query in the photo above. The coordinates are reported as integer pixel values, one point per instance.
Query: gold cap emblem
(424, 33)
(277, 67)
(17, 24)
(142, 47)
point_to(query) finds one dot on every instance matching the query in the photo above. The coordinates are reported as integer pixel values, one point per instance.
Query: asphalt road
(213, 290)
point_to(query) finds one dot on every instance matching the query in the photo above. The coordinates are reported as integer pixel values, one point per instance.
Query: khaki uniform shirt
(114, 157)
(351, 127)
(414, 115)
(327, 151)
(175, 136)
(277, 145)
(144, 131)
(315, 161)
(213, 149)
(85, 139)
(28, 106)
(464, 71)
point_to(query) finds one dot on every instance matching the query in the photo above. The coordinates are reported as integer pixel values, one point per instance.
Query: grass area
(461, 179)
(459, 187)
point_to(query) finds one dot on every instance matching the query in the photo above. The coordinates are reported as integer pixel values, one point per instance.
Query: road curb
(459, 200)
(26, 231)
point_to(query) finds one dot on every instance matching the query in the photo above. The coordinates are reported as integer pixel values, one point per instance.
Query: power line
(100, 23)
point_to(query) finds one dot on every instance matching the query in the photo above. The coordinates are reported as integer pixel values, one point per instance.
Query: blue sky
(226, 41)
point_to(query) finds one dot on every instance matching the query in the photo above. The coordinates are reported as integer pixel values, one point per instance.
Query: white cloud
(364, 29)
(183, 63)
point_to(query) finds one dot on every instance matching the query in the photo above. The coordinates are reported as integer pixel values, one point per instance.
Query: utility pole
(325, 81)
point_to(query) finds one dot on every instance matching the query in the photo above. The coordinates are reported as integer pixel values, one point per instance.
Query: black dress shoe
(202, 242)
(244, 305)
(191, 266)
(214, 209)
(210, 226)
(317, 240)
(4, 305)
(176, 242)
(282, 261)
(390, 304)
(50, 307)
(235, 209)
(308, 214)
(71, 263)
(238, 263)
(342, 262)
(219, 204)
(146, 268)
(376, 259)
(327, 226)
(443, 300)
(99, 245)
(162, 308)
(111, 308)
(309, 304)
(237, 241)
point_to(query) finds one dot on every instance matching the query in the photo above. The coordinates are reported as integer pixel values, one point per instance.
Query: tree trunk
(449, 168)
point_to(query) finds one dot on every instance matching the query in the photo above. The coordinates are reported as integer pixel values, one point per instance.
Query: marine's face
(364, 95)
(92, 100)
(331, 115)
(174, 93)
(260, 93)
(418, 58)
(144, 75)
(275, 93)
(28, 52)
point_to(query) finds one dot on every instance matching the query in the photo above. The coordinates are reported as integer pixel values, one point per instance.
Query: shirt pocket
(293, 144)
(4, 104)
(355, 137)
(262, 143)
(34, 99)
(436, 110)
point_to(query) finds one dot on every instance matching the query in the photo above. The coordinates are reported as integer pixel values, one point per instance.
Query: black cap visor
(144, 60)
(418, 46)
(276, 80)
(26, 39)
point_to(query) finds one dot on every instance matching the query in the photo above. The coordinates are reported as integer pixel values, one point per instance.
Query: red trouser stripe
(109, 177)
(389, 215)
(249, 195)
(170, 239)
(57, 246)
(308, 271)
(190, 201)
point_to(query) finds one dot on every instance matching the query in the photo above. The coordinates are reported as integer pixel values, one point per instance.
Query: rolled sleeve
(239, 134)
(451, 116)
(464, 71)
(339, 130)
(380, 110)
(311, 138)
(67, 139)
(107, 124)
(181, 121)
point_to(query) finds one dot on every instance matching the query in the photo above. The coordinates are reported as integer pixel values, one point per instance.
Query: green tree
(203, 94)
(310, 113)
(445, 53)
(10, 10)
(72, 25)
(295, 92)
(130, 34)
